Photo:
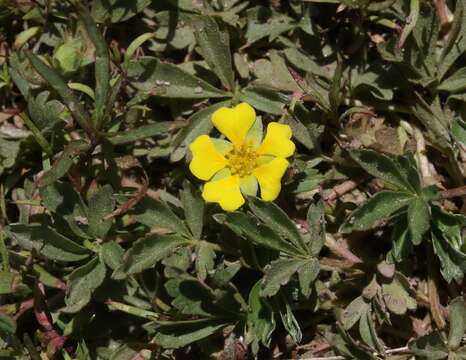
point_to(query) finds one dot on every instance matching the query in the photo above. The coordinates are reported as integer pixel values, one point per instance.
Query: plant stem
(455, 192)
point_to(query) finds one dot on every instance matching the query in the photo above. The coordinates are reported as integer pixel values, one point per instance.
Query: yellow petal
(277, 141)
(235, 122)
(226, 192)
(206, 159)
(269, 175)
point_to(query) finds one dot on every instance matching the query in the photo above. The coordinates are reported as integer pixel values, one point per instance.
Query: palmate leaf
(277, 220)
(375, 210)
(257, 233)
(147, 252)
(280, 272)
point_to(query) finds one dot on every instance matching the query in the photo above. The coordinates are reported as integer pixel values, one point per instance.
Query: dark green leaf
(167, 80)
(174, 335)
(140, 133)
(383, 167)
(59, 85)
(430, 347)
(112, 254)
(205, 259)
(47, 242)
(376, 209)
(82, 283)
(148, 251)
(101, 203)
(277, 220)
(261, 319)
(198, 124)
(64, 162)
(279, 273)
(264, 99)
(458, 131)
(418, 219)
(215, 48)
(307, 274)
(353, 312)
(244, 225)
(117, 10)
(7, 282)
(156, 214)
(193, 206)
(457, 317)
(316, 221)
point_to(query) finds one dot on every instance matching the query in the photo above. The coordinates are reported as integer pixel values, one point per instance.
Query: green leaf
(167, 80)
(205, 259)
(117, 10)
(140, 133)
(215, 48)
(261, 319)
(458, 131)
(148, 251)
(60, 86)
(262, 22)
(7, 325)
(457, 318)
(353, 312)
(456, 83)
(418, 219)
(279, 273)
(191, 297)
(398, 295)
(382, 167)
(452, 261)
(261, 235)
(112, 254)
(264, 99)
(290, 323)
(101, 67)
(82, 283)
(47, 242)
(430, 347)
(277, 220)
(157, 214)
(101, 203)
(376, 209)
(174, 335)
(316, 221)
(193, 206)
(369, 333)
(401, 244)
(64, 162)
(7, 282)
(44, 112)
(307, 274)
(198, 124)
(456, 43)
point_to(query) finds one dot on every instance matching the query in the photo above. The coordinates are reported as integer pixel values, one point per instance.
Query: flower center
(242, 161)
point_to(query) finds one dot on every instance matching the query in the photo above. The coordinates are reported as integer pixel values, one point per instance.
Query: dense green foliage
(108, 250)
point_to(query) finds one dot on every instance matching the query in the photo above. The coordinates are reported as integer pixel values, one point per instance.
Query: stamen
(242, 161)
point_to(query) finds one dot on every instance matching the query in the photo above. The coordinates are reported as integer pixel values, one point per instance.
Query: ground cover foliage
(108, 250)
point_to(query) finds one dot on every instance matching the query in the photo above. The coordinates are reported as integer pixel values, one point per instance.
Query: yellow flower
(245, 162)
